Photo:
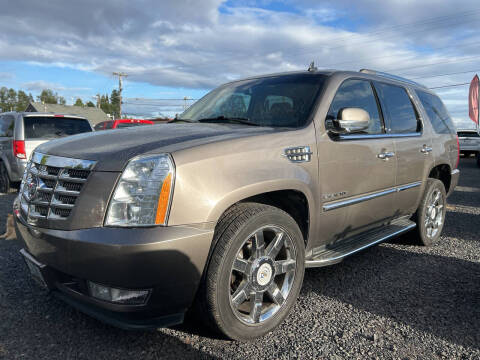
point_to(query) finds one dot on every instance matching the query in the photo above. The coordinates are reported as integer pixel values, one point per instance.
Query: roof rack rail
(391, 76)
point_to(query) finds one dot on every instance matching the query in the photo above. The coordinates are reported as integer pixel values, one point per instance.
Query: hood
(113, 148)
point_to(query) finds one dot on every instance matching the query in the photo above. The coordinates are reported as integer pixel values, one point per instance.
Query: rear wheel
(430, 215)
(5, 184)
(255, 272)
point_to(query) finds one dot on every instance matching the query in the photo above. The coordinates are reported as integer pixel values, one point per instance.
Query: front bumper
(167, 260)
(455, 175)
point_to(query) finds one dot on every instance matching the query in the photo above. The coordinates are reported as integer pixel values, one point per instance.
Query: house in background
(93, 114)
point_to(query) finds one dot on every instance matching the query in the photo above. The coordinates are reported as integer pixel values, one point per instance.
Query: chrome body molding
(352, 201)
(62, 162)
(376, 136)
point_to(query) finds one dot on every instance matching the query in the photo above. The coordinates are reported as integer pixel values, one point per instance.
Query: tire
(245, 293)
(430, 218)
(5, 184)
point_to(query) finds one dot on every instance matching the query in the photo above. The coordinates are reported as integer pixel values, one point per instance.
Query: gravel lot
(393, 301)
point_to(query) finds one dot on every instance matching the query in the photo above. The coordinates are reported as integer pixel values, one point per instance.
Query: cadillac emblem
(31, 184)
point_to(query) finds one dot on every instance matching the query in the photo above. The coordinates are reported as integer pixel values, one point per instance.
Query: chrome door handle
(426, 149)
(386, 155)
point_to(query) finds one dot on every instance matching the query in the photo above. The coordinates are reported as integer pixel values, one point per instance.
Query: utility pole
(185, 104)
(120, 88)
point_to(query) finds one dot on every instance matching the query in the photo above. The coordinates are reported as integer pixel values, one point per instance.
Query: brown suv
(223, 209)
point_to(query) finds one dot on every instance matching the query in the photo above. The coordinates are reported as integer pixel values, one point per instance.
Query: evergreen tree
(79, 102)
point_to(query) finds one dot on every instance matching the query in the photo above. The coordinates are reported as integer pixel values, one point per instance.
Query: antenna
(312, 67)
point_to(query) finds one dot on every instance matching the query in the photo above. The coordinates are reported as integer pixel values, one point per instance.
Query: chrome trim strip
(313, 263)
(62, 162)
(343, 203)
(347, 202)
(409, 186)
(376, 136)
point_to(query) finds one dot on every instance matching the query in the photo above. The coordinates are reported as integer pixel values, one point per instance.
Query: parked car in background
(469, 140)
(21, 133)
(223, 208)
(121, 123)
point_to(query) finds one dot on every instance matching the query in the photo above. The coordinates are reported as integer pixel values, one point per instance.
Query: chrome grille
(51, 186)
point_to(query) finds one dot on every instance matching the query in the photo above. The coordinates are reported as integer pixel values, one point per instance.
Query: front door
(356, 171)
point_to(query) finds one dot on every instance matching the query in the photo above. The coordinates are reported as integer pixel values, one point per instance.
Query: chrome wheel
(434, 213)
(262, 274)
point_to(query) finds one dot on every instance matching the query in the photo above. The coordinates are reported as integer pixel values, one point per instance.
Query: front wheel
(430, 215)
(256, 271)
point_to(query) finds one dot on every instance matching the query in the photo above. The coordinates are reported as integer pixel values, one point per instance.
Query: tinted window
(400, 115)
(124, 125)
(468, 134)
(278, 101)
(357, 94)
(39, 127)
(437, 113)
(7, 124)
(99, 126)
(108, 125)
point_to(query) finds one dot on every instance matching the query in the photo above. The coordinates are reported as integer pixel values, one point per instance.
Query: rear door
(413, 144)
(7, 124)
(356, 183)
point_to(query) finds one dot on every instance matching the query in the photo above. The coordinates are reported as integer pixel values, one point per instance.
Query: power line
(437, 75)
(451, 85)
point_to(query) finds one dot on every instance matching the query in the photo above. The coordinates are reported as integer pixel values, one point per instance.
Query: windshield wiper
(222, 118)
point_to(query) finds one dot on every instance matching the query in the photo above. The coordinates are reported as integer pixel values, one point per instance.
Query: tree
(23, 100)
(79, 102)
(115, 103)
(90, 104)
(47, 96)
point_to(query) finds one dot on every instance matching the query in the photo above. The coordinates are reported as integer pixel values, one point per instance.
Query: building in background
(93, 114)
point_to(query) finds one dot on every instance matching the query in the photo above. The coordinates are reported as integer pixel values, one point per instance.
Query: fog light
(120, 296)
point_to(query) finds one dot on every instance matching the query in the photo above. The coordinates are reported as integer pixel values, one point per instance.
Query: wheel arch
(442, 172)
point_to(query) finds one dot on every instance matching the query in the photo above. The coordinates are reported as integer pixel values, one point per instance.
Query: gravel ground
(393, 301)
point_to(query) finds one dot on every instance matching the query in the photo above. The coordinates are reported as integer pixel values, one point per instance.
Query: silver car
(21, 133)
(469, 140)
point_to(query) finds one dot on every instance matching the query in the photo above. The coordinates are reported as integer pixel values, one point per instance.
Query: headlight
(142, 195)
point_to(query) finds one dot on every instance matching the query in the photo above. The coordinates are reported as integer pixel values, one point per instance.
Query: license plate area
(35, 268)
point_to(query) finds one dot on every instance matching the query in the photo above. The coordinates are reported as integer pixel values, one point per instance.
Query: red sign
(473, 100)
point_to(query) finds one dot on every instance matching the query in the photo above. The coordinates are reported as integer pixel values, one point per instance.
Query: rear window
(437, 113)
(124, 125)
(467, 134)
(398, 109)
(45, 127)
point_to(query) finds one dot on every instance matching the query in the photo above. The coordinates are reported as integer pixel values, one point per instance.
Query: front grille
(51, 186)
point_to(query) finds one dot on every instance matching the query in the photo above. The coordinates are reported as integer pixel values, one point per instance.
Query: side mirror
(351, 120)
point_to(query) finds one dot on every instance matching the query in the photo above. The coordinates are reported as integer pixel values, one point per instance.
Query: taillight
(458, 153)
(19, 149)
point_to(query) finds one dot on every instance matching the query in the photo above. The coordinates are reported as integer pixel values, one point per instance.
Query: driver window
(357, 94)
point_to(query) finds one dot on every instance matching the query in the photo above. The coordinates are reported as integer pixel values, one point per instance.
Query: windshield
(278, 101)
(48, 127)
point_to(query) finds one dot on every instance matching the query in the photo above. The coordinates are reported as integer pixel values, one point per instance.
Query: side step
(334, 253)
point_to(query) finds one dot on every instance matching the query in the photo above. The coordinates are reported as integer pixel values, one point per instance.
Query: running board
(334, 253)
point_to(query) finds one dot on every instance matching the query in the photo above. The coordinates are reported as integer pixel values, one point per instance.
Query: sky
(184, 48)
